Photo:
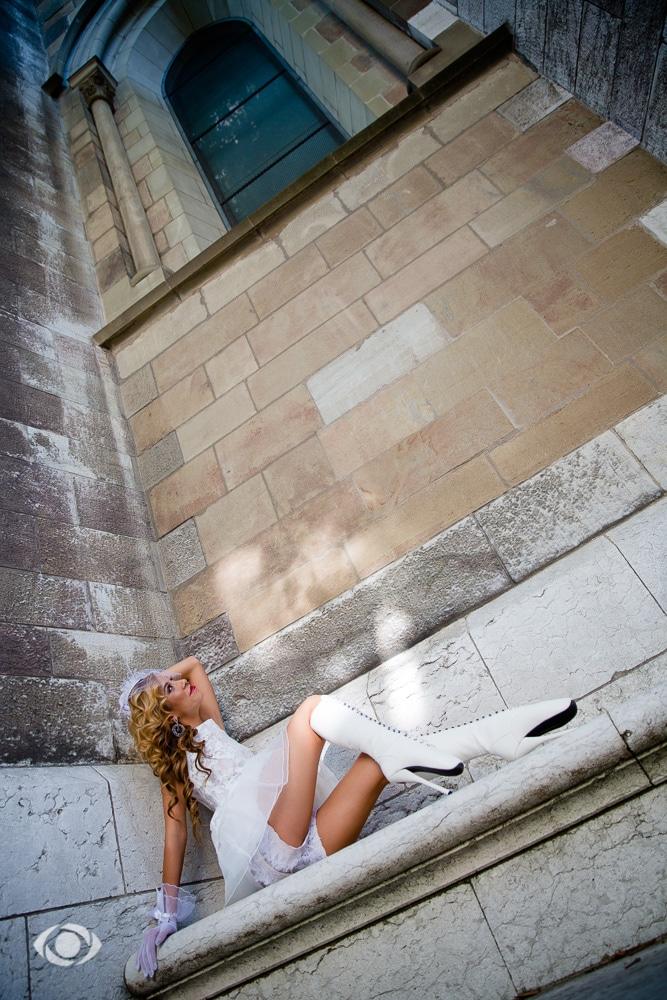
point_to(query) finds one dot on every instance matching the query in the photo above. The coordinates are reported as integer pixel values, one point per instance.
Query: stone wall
(290, 449)
(612, 55)
(81, 593)
(553, 819)
(337, 68)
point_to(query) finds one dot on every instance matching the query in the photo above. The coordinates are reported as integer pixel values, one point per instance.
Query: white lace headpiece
(132, 680)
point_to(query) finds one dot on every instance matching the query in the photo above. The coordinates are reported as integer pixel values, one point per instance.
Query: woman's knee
(301, 715)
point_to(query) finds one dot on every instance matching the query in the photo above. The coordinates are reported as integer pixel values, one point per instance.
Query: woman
(280, 809)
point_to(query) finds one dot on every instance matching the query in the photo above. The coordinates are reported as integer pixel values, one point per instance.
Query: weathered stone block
(645, 432)
(24, 651)
(36, 599)
(643, 541)
(533, 103)
(602, 147)
(108, 507)
(380, 616)
(181, 554)
(83, 553)
(82, 734)
(160, 460)
(567, 634)
(214, 644)
(565, 504)
(107, 658)
(594, 891)
(130, 611)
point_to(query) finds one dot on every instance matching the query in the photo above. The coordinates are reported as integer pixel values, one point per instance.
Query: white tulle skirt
(250, 853)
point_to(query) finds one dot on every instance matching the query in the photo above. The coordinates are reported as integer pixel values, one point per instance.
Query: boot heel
(556, 721)
(408, 776)
(529, 743)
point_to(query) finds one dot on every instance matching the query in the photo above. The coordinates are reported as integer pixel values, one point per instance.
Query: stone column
(403, 52)
(97, 87)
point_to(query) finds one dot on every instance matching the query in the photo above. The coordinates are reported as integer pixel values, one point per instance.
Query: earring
(178, 729)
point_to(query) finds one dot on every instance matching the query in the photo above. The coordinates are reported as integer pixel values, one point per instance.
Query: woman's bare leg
(290, 816)
(340, 819)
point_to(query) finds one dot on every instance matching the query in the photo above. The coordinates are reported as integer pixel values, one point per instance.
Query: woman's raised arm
(175, 837)
(194, 671)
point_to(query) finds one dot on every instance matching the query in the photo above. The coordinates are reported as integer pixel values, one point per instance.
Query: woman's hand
(173, 903)
(152, 939)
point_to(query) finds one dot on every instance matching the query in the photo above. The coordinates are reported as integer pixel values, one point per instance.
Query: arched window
(249, 121)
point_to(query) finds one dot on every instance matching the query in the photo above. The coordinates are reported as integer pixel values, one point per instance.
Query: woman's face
(182, 697)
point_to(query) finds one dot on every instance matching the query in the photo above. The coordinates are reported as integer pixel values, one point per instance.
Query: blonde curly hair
(150, 723)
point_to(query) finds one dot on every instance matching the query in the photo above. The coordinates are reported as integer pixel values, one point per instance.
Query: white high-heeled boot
(400, 755)
(509, 733)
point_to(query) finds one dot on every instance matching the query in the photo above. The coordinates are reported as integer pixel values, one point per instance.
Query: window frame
(299, 81)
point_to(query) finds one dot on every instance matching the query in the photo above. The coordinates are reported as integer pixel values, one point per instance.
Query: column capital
(94, 81)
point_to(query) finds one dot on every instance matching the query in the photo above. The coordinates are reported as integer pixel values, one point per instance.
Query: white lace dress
(241, 792)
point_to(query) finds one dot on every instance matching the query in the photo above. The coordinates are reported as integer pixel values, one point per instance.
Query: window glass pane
(223, 83)
(206, 45)
(283, 173)
(263, 129)
(252, 126)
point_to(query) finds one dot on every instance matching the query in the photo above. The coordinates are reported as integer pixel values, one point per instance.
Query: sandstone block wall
(289, 441)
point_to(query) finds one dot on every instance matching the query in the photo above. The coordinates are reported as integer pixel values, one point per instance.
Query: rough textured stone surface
(562, 633)
(24, 651)
(38, 599)
(214, 644)
(381, 616)
(137, 805)
(13, 959)
(82, 732)
(594, 891)
(67, 839)
(643, 542)
(533, 103)
(118, 924)
(465, 965)
(441, 681)
(645, 432)
(568, 502)
(130, 611)
(181, 554)
(160, 460)
(111, 508)
(602, 147)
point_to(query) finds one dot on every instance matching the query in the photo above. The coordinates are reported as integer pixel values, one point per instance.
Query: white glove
(172, 904)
